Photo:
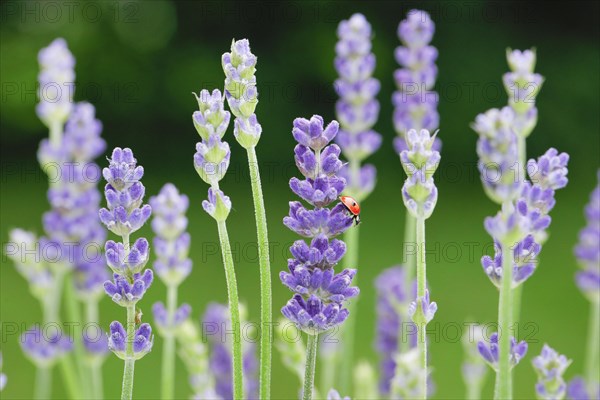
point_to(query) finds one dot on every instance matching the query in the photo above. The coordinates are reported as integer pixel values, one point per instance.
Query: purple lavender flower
(319, 293)
(124, 194)
(357, 109)
(334, 395)
(522, 86)
(489, 351)
(550, 367)
(56, 83)
(391, 300)
(587, 250)
(163, 320)
(142, 342)
(498, 155)
(429, 308)
(420, 160)
(128, 290)
(45, 347)
(578, 390)
(211, 119)
(171, 243)
(240, 84)
(524, 262)
(550, 170)
(95, 344)
(216, 321)
(415, 104)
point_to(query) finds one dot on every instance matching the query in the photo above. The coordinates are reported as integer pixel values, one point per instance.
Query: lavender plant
(211, 162)
(550, 367)
(125, 215)
(242, 96)
(587, 279)
(357, 110)
(72, 227)
(415, 107)
(172, 265)
(419, 193)
(320, 294)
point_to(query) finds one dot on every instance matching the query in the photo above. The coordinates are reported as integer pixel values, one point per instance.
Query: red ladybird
(352, 206)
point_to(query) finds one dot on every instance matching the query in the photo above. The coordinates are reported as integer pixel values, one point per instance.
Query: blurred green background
(138, 63)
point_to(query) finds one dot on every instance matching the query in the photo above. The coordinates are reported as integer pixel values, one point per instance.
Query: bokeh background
(138, 63)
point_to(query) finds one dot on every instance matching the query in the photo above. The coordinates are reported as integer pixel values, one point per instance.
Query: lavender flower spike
(2, 376)
(489, 351)
(56, 84)
(427, 307)
(357, 109)
(550, 367)
(172, 264)
(578, 390)
(44, 348)
(522, 86)
(587, 250)
(415, 103)
(126, 214)
(319, 294)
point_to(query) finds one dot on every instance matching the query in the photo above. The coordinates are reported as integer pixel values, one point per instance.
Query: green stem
(70, 377)
(328, 367)
(311, 362)
(234, 310)
(168, 360)
(503, 388)
(95, 366)
(347, 360)
(518, 291)
(474, 391)
(421, 287)
(127, 389)
(74, 316)
(410, 265)
(593, 357)
(43, 383)
(266, 312)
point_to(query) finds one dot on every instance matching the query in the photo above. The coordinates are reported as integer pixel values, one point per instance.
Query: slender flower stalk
(319, 294)
(172, 265)
(125, 215)
(357, 110)
(587, 279)
(211, 162)
(419, 193)
(242, 96)
(415, 107)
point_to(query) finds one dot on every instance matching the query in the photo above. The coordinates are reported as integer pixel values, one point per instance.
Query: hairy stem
(311, 362)
(592, 360)
(168, 359)
(347, 351)
(266, 312)
(421, 287)
(127, 389)
(234, 310)
(43, 383)
(503, 388)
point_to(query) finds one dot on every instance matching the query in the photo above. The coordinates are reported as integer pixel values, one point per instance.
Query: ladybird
(352, 206)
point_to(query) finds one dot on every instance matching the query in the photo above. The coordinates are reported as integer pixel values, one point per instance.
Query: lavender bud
(218, 205)
(550, 171)
(550, 367)
(142, 341)
(240, 83)
(247, 131)
(211, 119)
(579, 390)
(212, 159)
(126, 292)
(56, 83)
(45, 348)
(489, 351)
(422, 310)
